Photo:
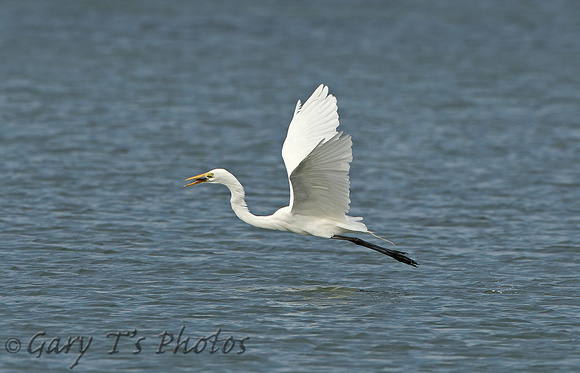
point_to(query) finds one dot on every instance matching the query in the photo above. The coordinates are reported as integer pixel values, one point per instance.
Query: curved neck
(240, 207)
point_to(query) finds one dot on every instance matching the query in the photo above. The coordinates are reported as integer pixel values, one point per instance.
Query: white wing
(313, 122)
(317, 159)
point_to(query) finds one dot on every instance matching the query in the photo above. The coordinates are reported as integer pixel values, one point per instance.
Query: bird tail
(354, 224)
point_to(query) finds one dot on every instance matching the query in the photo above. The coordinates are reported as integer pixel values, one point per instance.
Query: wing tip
(320, 92)
(298, 107)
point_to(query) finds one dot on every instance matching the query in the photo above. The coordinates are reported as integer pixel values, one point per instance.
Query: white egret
(317, 160)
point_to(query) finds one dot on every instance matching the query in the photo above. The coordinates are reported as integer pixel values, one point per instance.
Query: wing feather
(317, 160)
(320, 183)
(312, 123)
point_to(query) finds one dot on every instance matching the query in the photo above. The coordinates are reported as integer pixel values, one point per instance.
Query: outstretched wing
(317, 159)
(320, 183)
(312, 123)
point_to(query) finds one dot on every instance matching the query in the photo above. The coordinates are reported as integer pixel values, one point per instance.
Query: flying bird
(317, 160)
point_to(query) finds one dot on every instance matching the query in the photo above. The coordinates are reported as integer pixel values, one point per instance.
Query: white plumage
(317, 160)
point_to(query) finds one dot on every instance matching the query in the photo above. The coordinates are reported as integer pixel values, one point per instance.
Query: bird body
(317, 160)
(283, 219)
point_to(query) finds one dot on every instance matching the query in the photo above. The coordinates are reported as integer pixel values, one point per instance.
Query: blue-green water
(465, 122)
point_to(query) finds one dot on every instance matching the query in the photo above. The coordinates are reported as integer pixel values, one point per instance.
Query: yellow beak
(197, 179)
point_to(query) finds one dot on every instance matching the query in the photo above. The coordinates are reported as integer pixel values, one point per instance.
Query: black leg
(397, 255)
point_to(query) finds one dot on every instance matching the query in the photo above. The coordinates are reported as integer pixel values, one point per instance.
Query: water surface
(464, 117)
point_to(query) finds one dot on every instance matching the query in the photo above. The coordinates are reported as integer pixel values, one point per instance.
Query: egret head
(205, 177)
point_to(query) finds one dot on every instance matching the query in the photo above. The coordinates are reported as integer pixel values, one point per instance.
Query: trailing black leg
(397, 255)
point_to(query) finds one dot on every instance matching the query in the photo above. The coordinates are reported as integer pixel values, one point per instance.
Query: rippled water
(464, 117)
